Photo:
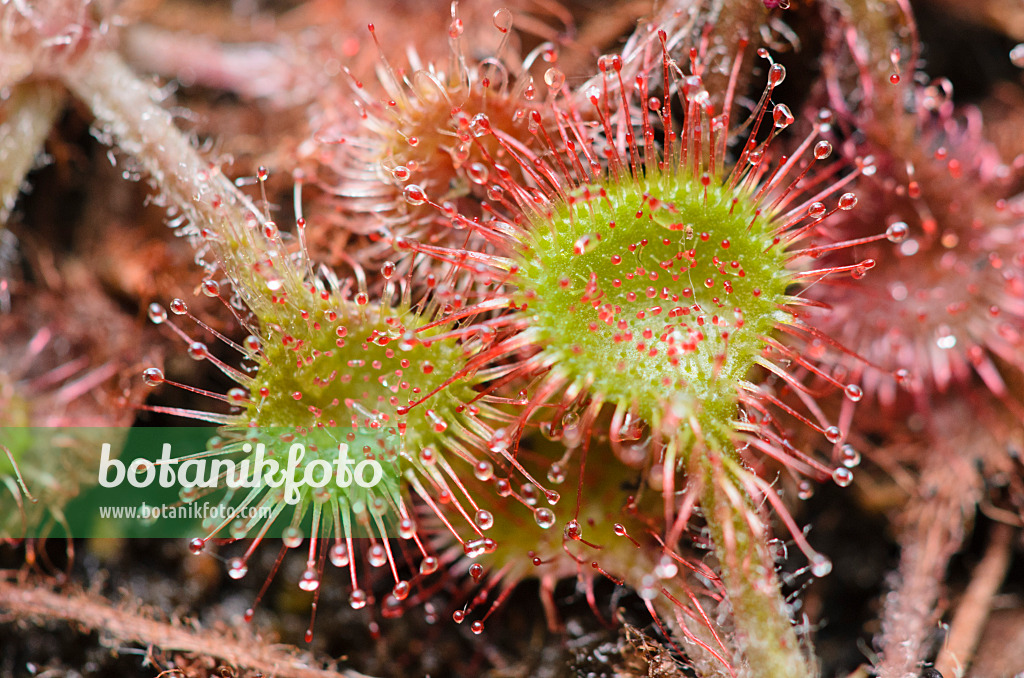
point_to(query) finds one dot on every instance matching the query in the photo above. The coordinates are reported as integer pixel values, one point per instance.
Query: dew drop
(503, 487)
(554, 79)
(842, 476)
(153, 376)
(556, 474)
(197, 350)
(820, 565)
(414, 195)
(401, 590)
(377, 556)
(387, 269)
(429, 565)
(358, 599)
(406, 528)
(361, 299)
(1017, 55)
(309, 581)
(476, 547)
(816, 210)
(545, 517)
(849, 456)
(483, 470)
(477, 627)
(237, 568)
(484, 519)
(196, 546)
(822, 150)
(178, 307)
(459, 616)
(776, 74)
(897, 232)
(782, 115)
(833, 434)
(480, 125)
(805, 490)
(292, 536)
(157, 314)
(854, 392)
(211, 288)
(251, 343)
(339, 555)
(478, 173)
(847, 201)
(401, 173)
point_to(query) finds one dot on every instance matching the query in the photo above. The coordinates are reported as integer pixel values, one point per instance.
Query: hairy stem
(964, 444)
(223, 220)
(41, 604)
(768, 642)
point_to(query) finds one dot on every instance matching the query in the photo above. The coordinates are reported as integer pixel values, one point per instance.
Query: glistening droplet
(484, 519)
(237, 568)
(153, 376)
(897, 232)
(309, 581)
(820, 565)
(842, 476)
(545, 517)
(157, 314)
(414, 195)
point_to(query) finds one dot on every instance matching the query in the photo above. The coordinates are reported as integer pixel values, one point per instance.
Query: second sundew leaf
(648, 275)
(655, 285)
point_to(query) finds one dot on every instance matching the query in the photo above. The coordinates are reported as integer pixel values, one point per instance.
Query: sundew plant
(603, 322)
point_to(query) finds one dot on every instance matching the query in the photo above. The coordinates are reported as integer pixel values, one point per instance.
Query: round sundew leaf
(654, 285)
